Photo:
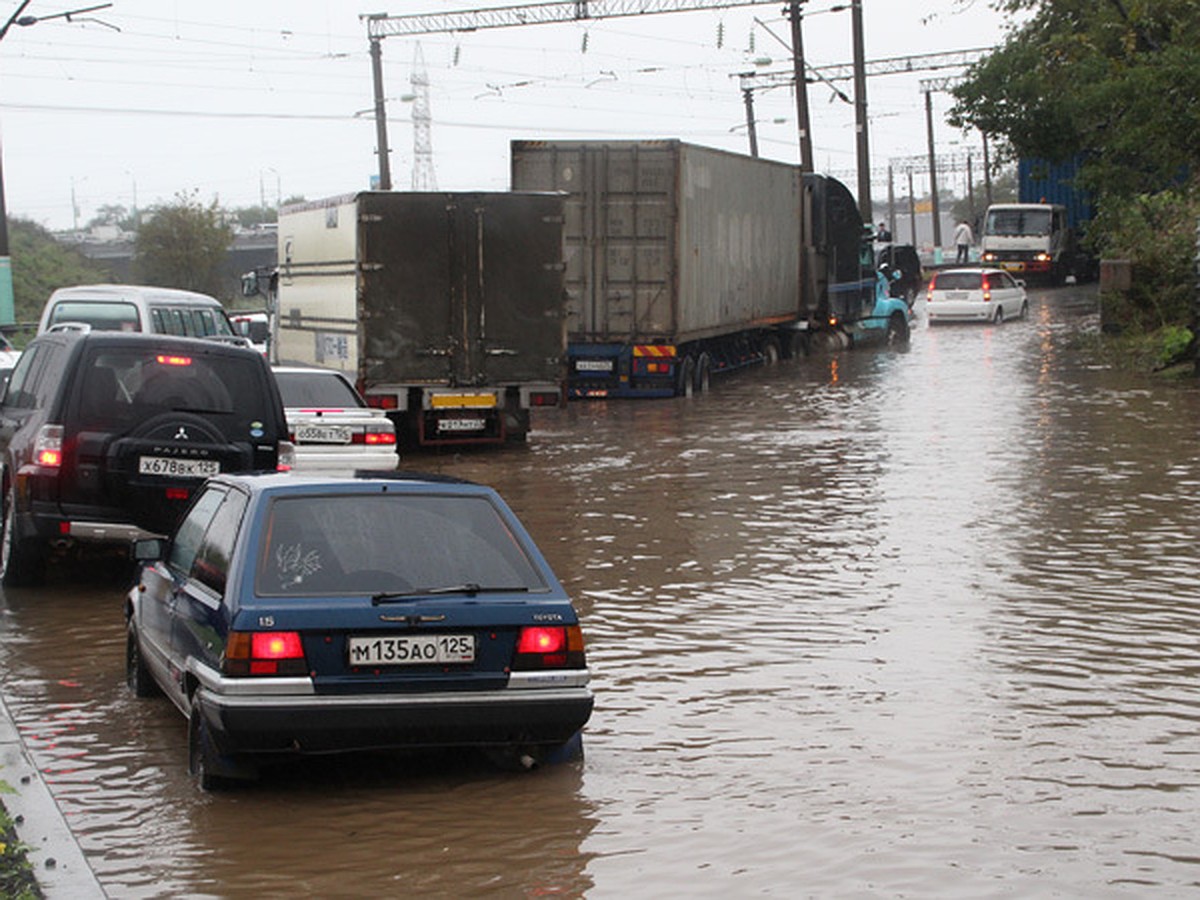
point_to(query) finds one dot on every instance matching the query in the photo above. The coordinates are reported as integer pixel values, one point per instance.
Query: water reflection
(871, 625)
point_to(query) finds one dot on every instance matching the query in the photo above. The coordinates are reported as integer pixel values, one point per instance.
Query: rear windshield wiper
(469, 588)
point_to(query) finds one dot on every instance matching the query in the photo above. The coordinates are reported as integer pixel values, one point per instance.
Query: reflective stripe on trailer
(656, 350)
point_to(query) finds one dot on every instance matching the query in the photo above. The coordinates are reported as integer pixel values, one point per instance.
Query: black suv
(105, 435)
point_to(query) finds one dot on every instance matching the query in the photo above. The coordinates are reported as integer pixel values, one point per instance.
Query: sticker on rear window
(256, 429)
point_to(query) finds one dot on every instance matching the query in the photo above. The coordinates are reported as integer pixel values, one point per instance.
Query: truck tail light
(264, 653)
(381, 401)
(549, 647)
(48, 445)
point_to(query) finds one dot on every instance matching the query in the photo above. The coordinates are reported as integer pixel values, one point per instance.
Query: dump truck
(684, 261)
(446, 308)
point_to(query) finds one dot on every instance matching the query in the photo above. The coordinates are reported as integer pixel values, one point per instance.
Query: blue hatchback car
(289, 614)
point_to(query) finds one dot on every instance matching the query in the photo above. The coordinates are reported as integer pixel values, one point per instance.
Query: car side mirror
(150, 550)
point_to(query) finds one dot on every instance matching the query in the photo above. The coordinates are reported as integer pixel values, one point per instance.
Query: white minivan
(130, 307)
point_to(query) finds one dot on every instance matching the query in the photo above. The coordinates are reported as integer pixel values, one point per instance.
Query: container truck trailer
(684, 261)
(446, 308)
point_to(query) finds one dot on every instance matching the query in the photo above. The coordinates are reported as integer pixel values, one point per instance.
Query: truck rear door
(461, 289)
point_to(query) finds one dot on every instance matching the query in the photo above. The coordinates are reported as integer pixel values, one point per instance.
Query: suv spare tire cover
(173, 435)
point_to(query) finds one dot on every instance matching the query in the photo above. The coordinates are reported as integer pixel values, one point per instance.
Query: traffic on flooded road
(911, 620)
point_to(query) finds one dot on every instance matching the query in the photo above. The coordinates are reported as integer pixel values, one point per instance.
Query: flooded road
(879, 624)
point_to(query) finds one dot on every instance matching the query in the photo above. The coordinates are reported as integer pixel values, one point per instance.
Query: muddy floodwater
(877, 624)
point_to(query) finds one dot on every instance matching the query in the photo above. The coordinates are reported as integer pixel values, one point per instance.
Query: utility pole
(862, 126)
(802, 124)
(933, 185)
(381, 136)
(748, 100)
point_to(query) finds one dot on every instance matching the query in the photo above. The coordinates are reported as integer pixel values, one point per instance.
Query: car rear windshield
(316, 390)
(120, 387)
(957, 281)
(362, 543)
(101, 315)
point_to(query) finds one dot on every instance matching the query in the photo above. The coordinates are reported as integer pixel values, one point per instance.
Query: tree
(114, 214)
(183, 245)
(1117, 81)
(40, 265)
(1116, 85)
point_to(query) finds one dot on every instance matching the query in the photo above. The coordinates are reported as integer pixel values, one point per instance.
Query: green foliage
(1157, 233)
(182, 246)
(40, 265)
(1116, 83)
(16, 874)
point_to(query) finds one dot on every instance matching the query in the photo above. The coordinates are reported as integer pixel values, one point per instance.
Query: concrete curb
(56, 857)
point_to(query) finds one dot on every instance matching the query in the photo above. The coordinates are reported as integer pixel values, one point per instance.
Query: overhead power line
(383, 25)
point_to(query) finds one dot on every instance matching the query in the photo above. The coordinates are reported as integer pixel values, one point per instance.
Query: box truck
(446, 308)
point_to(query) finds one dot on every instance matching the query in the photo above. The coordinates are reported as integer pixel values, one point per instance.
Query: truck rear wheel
(686, 384)
(771, 352)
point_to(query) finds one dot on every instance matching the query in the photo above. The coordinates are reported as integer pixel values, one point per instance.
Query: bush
(1157, 233)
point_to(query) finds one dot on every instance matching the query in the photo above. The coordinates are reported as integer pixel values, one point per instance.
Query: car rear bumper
(317, 460)
(952, 311)
(315, 723)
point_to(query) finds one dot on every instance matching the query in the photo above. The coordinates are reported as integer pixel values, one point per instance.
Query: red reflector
(542, 640)
(177, 493)
(275, 645)
(64, 528)
(167, 360)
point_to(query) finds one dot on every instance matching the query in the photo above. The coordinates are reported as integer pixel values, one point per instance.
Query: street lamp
(7, 310)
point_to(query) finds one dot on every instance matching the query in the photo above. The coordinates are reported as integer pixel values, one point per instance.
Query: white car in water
(975, 295)
(333, 429)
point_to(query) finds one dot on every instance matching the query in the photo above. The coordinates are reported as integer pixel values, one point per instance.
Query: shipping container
(685, 261)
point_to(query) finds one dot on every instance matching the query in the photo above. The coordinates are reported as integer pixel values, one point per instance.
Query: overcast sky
(252, 101)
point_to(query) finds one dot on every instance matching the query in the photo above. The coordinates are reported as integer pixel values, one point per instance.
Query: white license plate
(461, 424)
(593, 365)
(183, 468)
(956, 295)
(412, 650)
(322, 434)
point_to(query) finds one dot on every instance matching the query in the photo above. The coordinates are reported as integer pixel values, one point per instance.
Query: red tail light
(48, 446)
(381, 401)
(374, 438)
(264, 653)
(543, 647)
